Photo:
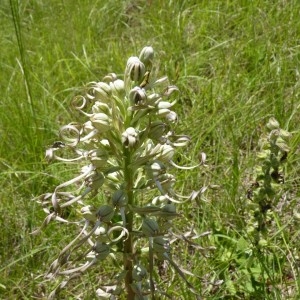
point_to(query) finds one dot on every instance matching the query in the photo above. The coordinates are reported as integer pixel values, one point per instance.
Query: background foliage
(236, 64)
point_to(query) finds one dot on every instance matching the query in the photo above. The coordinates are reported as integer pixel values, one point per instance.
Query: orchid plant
(124, 193)
(265, 192)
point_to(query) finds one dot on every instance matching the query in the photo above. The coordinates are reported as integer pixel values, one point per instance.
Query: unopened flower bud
(119, 198)
(135, 69)
(105, 213)
(166, 153)
(102, 250)
(117, 88)
(150, 227)
(273, 124)
(130, 137)
(100, 107)
(102, 91)
(101, 121)
(137, 95)
(146, 56)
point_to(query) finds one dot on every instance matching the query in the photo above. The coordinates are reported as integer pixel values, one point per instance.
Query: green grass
(236, 64)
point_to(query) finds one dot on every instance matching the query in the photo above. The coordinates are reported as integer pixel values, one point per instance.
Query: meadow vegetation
(236, 64)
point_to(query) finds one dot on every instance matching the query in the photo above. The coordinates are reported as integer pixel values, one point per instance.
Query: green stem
(128, 244)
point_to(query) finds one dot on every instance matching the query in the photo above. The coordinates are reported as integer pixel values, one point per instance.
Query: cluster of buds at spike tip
(146, 56)
(127, 144)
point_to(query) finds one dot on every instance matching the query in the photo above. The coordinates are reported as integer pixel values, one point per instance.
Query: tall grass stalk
(24, 68)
